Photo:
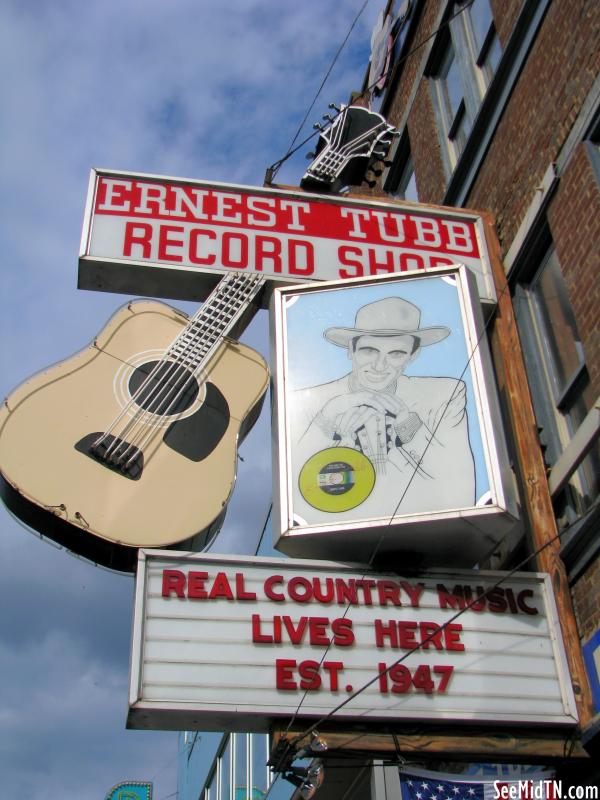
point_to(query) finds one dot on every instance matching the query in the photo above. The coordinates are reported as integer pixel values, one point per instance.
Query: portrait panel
(383, 414)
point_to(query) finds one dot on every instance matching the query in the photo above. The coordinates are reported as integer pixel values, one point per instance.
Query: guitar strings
(133, 399)
(189, 349)
(175, 365)
(242, 288)
(178, 366)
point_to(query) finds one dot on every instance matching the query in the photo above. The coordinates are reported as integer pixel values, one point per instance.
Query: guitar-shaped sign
(356, 139)
(133, 441)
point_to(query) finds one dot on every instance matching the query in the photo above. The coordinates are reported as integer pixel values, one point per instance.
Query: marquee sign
(234, 643)
(173, 237)
(389, 436)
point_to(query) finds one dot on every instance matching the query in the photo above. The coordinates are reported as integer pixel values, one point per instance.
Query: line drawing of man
(414, 430)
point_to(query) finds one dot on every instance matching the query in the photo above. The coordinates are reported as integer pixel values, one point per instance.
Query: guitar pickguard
(196, 436)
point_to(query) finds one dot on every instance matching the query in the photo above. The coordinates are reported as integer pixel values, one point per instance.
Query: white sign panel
(173, 237)
(226, 643)
(388, 435)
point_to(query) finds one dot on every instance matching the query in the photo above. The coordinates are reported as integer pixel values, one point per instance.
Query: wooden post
(531, 470)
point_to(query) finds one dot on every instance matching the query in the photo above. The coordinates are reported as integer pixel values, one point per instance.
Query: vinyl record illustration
(336, 479)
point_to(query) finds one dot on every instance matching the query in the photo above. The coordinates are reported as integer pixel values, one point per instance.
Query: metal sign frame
(431, 533)
(206, 656)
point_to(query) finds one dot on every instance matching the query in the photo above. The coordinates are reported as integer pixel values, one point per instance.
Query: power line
(274, 168)
(264, 529)
(417, 47)
(403, 495)
(429, 638)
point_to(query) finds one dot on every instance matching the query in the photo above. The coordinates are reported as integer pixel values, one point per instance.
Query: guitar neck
(216, 318)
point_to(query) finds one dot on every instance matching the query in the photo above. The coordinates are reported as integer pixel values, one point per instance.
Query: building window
(463, 64)
(401, 183)
(559, 380)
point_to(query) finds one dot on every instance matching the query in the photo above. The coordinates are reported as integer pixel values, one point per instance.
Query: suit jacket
(432, 471)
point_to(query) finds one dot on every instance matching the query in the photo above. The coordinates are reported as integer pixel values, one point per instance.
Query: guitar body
(183, 459)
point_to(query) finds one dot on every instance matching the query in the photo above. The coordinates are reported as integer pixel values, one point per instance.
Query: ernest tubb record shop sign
(157, 236)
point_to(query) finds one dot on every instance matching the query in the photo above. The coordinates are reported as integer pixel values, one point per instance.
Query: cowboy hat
(391, 316)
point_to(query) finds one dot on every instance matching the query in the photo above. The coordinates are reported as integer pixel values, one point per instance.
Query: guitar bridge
(106, 452)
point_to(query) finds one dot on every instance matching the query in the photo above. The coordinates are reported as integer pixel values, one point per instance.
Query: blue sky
(194, 88)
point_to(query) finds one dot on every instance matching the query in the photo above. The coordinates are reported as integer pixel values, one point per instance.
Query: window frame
(458, 43)
(401, 174)
(556, 407)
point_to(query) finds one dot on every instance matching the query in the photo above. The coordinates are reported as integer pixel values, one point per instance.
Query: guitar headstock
(346, 149)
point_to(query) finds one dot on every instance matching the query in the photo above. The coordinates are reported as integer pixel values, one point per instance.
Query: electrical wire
(414, 473)
(274, 168)
(264, 529)
(294, 741)
(429, 638)
(467, 4)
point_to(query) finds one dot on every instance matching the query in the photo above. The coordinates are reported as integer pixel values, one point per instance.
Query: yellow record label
(336, 479)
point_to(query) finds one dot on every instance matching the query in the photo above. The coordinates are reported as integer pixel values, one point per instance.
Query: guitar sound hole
(164, 387)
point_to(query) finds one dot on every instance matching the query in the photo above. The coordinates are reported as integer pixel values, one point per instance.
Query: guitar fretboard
(214, 319)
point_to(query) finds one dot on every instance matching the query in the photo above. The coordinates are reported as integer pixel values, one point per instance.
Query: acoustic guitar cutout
(132, 442)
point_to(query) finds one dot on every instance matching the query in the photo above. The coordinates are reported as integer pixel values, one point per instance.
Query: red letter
(343, 635)
(240, 589)
(452, 636)
(284, 677)
(309, 258)
(431, 634)
(196, 585)
(381, 266)
(344, 253)
(523, 605)
(139, 233)
(278, 598)
(195, 234)
(333, 667)
(309, 672)
(226, 250)
(317, 627)
(382, 631)
(173, 581)
(407, 632)
(221, 587)
(164, 243)
(257, 636)
(267, 249)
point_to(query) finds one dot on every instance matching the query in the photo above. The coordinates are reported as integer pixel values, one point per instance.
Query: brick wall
(560, 71)
(586, 601)
(574, 218)
(505, 13)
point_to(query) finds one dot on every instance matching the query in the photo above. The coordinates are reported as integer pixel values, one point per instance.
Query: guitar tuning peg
(328, 117)
(334, 107)
(317, 126)
(379, 154)
(385, 142)
(311, 155)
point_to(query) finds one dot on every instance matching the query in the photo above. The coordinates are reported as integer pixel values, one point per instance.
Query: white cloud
(196, 88)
